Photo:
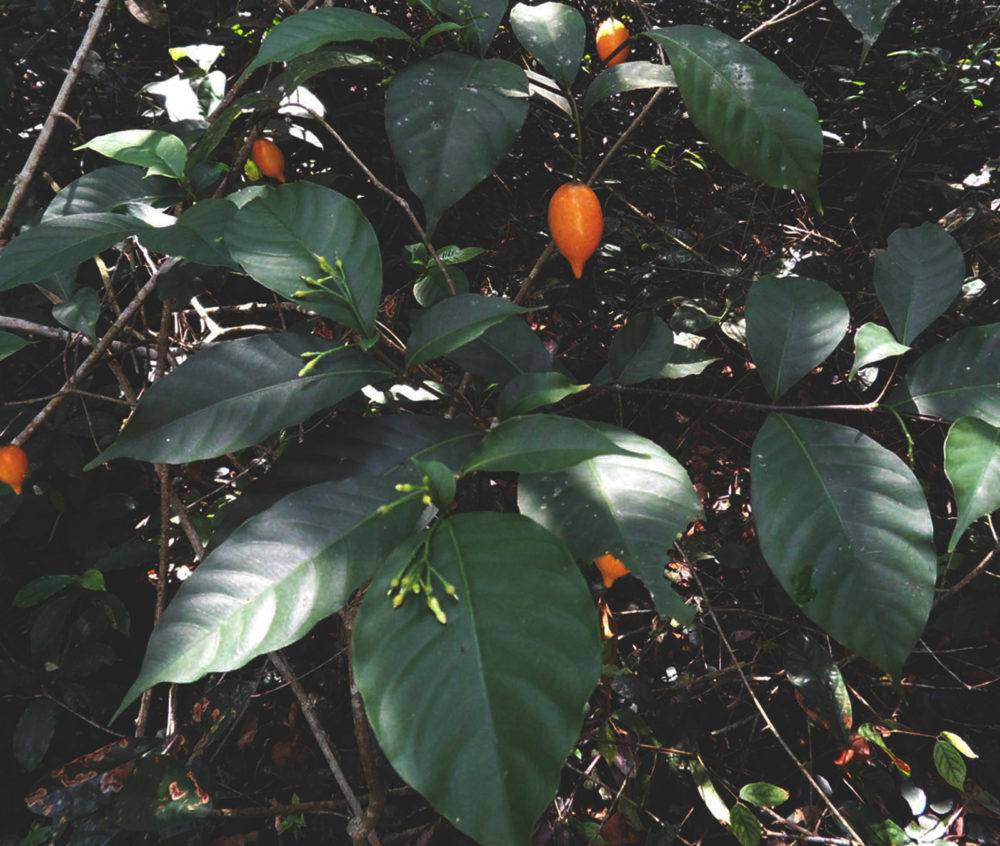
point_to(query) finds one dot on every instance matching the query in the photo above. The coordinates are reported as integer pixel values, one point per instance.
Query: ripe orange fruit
(611, 569)
(13, 466)
(610, 34)
(268, 158)
(576, 223)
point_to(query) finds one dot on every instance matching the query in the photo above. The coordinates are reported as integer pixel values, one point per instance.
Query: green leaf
(450, 120)
(455, 321)
(529, 391)
(432, 287)
(235, 394)
(745, 826)
(641, 349)
(918, 277)
(40, 589)
(33, 732)
(161, 153)
(160, 793)
(627, 76)
(816, 676)
(793, 324)
(540, 443)
(763, 794)
(853, 545)
(707, 790)
(972, 464)
(957, 378)
(874, 343)
(631, 506)
(758, 119)
(80, 312)
(555, 34)
(108, 188)
(868, 17)
(274, 578)
(950, 764)
(478, 715)
(959, 744)
(482, 17)
(277, 237)
(10, 344)
(504, 352)
(304, 32)
(61, 243)
(197, 235)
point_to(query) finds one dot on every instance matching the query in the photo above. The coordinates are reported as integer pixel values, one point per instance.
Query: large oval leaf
(504, 352)
(304, 32)
(107, 188)
(197, 235)
(278, 236)
(957, 378)
(868, 17)
(844, 526)
(61, 243)
(450, 119)
(755, 116)
(235, 394)
(918, 277)
(972, 462)
(628, 76)
(478, 715)
(554, 34)
(632, 507)
(793, 323)
(275, 578)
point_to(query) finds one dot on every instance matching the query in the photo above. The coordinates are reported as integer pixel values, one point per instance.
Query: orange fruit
(611, 569)
(268, 158)
(576, 223)
(610, 34)
(13, 466)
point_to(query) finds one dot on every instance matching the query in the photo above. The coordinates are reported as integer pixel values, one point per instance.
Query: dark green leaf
(540, 443)
(10, 344)
(40, 589)
(793, 323)
(504, 351)
(950, 764)
(529, 391)
(972, 463)
(450, 120)
(631, 506)
(481, 16)
(453, 322)
(763, 794)
(274, 578)
(874, 343)
(918, 277)
(432, 287)
(844, 526)
(160, 793)
(817, 677)
(479, 714)
(641, 349)
(868, 17)
(440, 480)
(745, 826)
(554, 34)
(304, 32)
(161, 153)
(197, 235)
(957, 378)
(108, 188)
(33, 732)
(80, 313)
(627, 76)
(754, 115)
(236, 393)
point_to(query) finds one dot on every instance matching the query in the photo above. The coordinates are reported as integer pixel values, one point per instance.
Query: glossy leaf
(972, 463)
(274, 578)
(541, 443)
(306, 31)
(745, 826)
(755, 116)
(868, 17)
(235, 394)
(874, 343)
(161, 153)
(959, 377)
(641, 349)
(843, 524)
(455, 321)
(817, 679)
(197, 235)
(504, 352)
(482, 17)
(450, 120)
(479, 714)
(631, 506)
(763, 794)
(277, 237)
(627, 76)
(918, 277)
(950, 764)
(33, 732)
(793, 324)
(61, 243)
(107, 188)
(529, 391)
(554, 34)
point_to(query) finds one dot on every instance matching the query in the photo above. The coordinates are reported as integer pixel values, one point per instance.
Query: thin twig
(757, 406)
(968, 577)
(23, 179)
(53, 333)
